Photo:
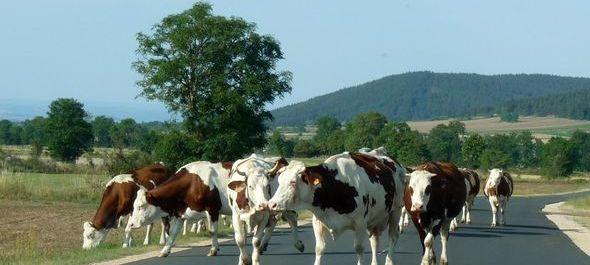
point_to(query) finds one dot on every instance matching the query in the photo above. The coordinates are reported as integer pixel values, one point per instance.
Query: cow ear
(237, 185)
(278, 167)
(311, 179)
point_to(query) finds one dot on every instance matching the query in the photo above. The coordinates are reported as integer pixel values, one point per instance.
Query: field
(580, 208)
(41, 218)
(542, 127)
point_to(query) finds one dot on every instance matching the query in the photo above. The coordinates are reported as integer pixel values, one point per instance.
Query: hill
(428, 95)
(573, 105)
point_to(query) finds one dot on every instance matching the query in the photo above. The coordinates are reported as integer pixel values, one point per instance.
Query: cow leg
(184, 225)
(468, 215)
(502, 205)
(128, 240)
(374, 240)
(394, 232)
(165, 230)
(444, 237)
(360, 236)
(494, 210)
(240, 238)
(454, 224)
(214, 241)
(175, 226)
(291, 218)
(320, 232)
(464, 213)
(429, 258)
(257, 240)
(270, 227)
(148, 231)
(403, 221)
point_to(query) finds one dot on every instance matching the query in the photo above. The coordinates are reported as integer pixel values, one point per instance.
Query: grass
(310, 161)
(580, 208)
(80, 188)
(542, 186)
(26, 239)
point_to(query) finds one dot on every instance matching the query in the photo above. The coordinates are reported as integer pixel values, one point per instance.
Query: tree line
(428, 95)
(557, 158)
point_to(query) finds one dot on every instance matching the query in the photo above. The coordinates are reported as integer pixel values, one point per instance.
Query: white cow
(349, 191)
(249, 190)
(498, 189)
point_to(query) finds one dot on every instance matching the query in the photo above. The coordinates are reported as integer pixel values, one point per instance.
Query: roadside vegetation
(580, 209)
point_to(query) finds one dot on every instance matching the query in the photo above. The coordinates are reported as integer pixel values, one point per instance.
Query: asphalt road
(528, 238)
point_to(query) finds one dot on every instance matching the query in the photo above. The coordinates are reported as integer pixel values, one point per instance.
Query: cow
(199, 223)
(348, 191)
(195, 188)
(436, 192)
(498, 189)
(472, 187)
(117, 202)
(404, 219)
(250, 188)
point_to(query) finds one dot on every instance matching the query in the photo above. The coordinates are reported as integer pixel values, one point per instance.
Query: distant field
(541, 126)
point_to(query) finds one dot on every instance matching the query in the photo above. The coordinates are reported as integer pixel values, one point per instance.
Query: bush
(119, 163)
(557, 158)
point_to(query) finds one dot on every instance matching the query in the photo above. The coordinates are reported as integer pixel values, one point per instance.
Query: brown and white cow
(250, 188)
(434, 196)
(498, 189)
(472, 186)
(117, 202)
(349, 191)
(195, 188)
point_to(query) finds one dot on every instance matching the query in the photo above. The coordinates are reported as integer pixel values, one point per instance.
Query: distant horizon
(142, 109)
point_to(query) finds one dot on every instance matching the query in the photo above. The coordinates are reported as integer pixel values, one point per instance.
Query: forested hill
(427, 95)
(573, 105)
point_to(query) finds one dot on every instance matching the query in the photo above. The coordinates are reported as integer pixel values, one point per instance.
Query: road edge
(577, 233)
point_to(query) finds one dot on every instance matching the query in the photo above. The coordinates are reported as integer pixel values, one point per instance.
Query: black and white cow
(349, 191)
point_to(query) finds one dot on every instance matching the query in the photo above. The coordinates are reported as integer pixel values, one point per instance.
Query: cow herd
(367, 192)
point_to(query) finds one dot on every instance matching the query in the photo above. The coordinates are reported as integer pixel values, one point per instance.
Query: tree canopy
(218, 73)
(67, 132)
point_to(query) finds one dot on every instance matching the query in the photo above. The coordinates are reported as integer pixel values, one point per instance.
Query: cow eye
(293, 183)
(250, 187)
(428, 190)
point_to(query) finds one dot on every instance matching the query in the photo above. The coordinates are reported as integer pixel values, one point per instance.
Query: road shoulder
(564, 220)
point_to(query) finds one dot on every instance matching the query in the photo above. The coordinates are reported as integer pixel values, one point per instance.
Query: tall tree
(444, 141)
(124, 134)
(557, 158)
(68, 133)
(5, 126)
(34, 134)
(364, 130)
(472, 149)
(327, 125)
(218, 73)
(101, 126)
(403, 143)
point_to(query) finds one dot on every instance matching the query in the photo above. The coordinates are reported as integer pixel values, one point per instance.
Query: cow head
(143, 213)
(420, 187)
(494, 179)
(92, 237)
(296, 188)
(250, 180)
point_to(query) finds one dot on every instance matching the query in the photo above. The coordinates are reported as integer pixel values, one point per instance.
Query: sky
(84, 49)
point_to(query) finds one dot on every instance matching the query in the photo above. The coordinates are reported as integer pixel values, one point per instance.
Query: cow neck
(172, 189)
(117, 201)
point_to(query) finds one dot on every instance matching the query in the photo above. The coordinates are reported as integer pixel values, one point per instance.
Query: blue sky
(84, 49)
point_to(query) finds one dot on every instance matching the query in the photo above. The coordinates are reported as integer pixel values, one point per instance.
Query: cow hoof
(444, 262)
(165, 254)
(493, 225)
(300, 246)
(212, 252)
(125, 245)
(468, 222)
(145, 243)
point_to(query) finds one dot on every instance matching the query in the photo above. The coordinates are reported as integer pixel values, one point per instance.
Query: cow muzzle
(418, 207)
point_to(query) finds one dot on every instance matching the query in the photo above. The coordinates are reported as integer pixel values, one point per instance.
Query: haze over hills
(141, 111)
(428, 95)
